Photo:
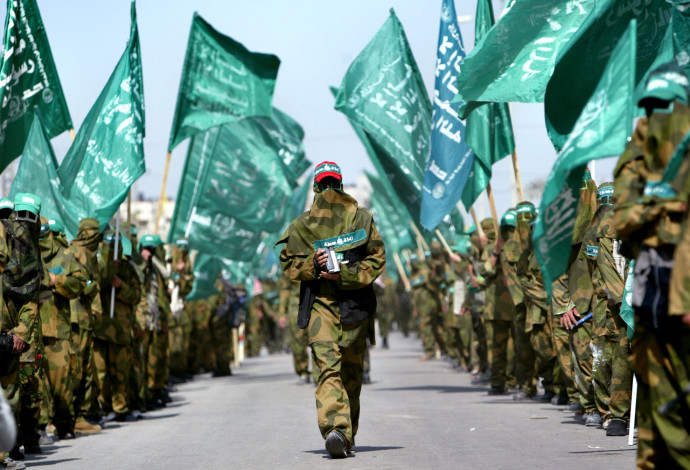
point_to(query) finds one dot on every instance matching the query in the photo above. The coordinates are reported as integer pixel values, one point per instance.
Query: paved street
(417, 415)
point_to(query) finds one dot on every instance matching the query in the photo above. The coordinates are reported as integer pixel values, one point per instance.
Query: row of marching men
(91, 328)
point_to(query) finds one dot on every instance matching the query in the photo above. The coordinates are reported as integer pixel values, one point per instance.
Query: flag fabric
(627, 311)
(221, 82)
(239, 180)
(583, 61)
(107, 155)
(601, 131)
(489, 130)
(28, 81)
(383, 93)
(394, 227)
(515, 60)
(37, 174)
(450, 157)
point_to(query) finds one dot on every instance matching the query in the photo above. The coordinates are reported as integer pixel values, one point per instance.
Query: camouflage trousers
(254, 336)
(621, 373)
(385, 319)
(9, 381)
(338, 352)
(137, 384)
(403, 316)
(561, 344)
(59, 362)
(480, 346)
(459, 341)
(201, 351)
(113, 363)
(582, 361)
(526, 362)
(158, 362)
(85, 382)
(661, 359)
(221, 338)
(499, 346)
(299, 344)
(179, 344)
(431, 328)
(547, 364)
(30, 401)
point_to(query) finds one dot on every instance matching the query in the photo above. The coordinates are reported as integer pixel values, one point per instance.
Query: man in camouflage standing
(336, 307)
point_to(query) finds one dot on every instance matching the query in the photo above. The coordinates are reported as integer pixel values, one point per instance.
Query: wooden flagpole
(161, 198)
(477, 223)
(401, 270)
(419, 235)
(494, 214)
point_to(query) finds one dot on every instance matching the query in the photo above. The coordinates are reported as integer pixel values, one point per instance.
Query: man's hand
(180, 265)
(321, 258)
(329, 276)
(52, 279)
(499, 245)
(116, 282)
(454, 258)
(686, 319)
(18, 345)
(569, 319)
(282, 322)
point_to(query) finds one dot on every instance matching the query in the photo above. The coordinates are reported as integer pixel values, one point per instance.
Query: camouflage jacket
(87, 305)
(499, 303)
(510, 257)
(335, 220)
(153, 311)
(645, 216)
(71, 278)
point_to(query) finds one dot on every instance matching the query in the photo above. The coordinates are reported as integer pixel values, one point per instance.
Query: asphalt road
(415, 415)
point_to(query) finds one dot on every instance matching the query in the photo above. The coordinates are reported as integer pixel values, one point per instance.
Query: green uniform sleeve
(362, 273)
(560, 298)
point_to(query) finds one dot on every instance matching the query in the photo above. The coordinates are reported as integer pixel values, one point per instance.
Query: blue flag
(450, 158)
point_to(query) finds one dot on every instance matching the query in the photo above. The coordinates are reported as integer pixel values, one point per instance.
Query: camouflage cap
(89, 223)
(509, 219)
(27, 202)
(325, 169)
(56, 226)
(666, 83)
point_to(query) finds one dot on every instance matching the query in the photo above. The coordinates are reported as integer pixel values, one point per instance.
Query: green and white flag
(583, 61)
(221, 82)
(601, 131)
(28, 81)
(383, 93)
(107, 155)
(515, 60)
(37, 174)
(488, 129)
(394, 227)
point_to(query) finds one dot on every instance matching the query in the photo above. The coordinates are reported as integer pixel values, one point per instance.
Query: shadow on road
(605, 451)
(432, 388)
(150, 417)
(360, 450)
(47, 463)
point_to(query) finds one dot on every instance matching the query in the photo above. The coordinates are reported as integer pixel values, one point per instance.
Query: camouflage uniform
(340, 311)
(83, 310)
(222, 308)
(427, 301)
(499, 312)
(181, 283)
(560, 303)
(474, 302)
(60, 354)
(113, 351)
(650, 228)
(459, 327)
(386, 309)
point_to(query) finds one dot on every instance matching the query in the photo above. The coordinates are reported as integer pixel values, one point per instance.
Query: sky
(316, 42)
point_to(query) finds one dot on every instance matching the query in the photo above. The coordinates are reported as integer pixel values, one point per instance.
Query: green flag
(221, 82)
(394, 226)
(28, 81)
(627, 311)
(515, 60)
(107, 155)
(207, 268)
(582, 63)
(383, 93)
(601, 131)
(37, 174)
(488, 129)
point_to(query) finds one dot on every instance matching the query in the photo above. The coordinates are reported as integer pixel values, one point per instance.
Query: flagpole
(159, 211)
(403, 276)
(129, 211)
(494, 214)
(419, 235)
(72, 134)
(440, 236)
(117, 247)
(480, 230)
(518, 179)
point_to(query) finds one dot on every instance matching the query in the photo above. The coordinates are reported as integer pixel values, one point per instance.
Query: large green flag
(394, 227)
(582, 63)
(601, 131)
(488, 129)
(107, 155)
(238, 181)
(221, 82)
(28, 81)
(515, 60)
(37, 174)
(383, 93)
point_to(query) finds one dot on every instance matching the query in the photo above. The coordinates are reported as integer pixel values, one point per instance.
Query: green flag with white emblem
(601, 131)
(28, 81)
(221, 82)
